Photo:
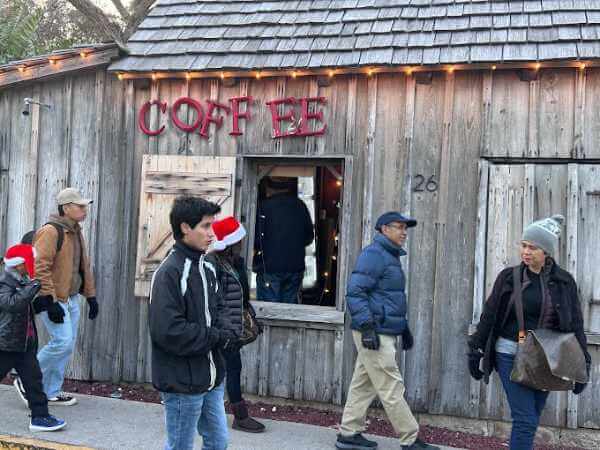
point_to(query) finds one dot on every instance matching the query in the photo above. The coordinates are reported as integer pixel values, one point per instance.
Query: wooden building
(475, 117)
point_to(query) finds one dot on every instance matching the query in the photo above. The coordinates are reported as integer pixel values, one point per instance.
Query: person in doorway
(376, 301)
(18, 333)
(189, 329)
(63, 268)
(235, 289)
(284, 229)
(550, 300)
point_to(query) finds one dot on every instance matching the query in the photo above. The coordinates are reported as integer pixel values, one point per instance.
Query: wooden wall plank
(556, 112)
(6, 117)
(509, 116)
(318, 365)
(425, 160)
(591, 115)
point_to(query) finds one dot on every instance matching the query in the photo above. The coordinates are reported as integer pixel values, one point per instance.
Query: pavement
(106, 423)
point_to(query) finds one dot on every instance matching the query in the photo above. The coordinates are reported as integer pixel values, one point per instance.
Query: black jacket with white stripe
(186, 313)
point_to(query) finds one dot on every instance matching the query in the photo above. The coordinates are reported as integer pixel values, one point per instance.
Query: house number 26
(423, 184)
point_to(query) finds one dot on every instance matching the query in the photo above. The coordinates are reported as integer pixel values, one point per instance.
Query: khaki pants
(377, 374)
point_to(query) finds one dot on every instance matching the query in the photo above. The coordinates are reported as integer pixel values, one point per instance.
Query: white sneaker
(62, 399)
(18, 384)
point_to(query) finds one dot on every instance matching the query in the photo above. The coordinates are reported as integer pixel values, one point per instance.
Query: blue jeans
(186, 413)
(526, 405)
(55, 355)
(278, 287)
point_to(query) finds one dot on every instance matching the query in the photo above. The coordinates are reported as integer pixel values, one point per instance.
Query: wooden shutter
(164, 177)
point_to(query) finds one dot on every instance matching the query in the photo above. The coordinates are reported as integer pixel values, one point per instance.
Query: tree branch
(110, 28)
(122, 10)
(140, 9)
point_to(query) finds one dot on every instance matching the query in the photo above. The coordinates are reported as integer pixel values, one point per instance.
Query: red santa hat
(21, 254)
(228, 231)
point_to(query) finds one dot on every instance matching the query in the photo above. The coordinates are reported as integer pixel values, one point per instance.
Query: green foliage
(19, 21)
(29, 28)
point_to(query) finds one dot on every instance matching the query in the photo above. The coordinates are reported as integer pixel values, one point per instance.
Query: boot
(242, 421)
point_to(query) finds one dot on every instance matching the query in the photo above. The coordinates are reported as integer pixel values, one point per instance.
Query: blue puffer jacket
(376, 289)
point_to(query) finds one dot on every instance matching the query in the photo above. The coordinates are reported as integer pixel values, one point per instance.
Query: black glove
(407, 339)
(55, 313)
(369, 339)
(474, 357)
(93, 308)
(29, 290)
(42, 303)
(227, 339)
(579, 387)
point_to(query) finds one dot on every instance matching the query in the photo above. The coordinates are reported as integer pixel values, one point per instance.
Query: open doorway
(320, 189)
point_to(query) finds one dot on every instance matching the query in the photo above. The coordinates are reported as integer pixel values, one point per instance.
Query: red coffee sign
(295, 115)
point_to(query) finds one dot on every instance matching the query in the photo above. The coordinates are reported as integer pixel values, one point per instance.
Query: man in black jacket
(284, 229)
(189, 330)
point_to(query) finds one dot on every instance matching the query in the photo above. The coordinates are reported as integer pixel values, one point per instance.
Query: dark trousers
(279, 287)
(28, 369)
(526, 405)
(233, 363)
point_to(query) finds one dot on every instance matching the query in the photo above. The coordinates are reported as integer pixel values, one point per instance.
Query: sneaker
(420, 445)
(355, 442)
(62, 399)
(18, 384)
(48, 423)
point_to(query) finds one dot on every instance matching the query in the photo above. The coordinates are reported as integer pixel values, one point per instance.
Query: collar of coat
(65, 222)
(551, 271)
(389, 245)
(188, 251)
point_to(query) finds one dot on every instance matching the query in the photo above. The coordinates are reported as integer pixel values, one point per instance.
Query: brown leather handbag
(251, 327)
(546, 360)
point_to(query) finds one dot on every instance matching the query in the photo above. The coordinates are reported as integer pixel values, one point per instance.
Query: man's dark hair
(190, 210)
(28, 237)
(61, 211)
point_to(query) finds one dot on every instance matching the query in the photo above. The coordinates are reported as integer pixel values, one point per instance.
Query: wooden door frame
(246, 206)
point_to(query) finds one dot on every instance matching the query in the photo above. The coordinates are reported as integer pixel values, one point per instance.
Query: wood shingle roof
(201, 35)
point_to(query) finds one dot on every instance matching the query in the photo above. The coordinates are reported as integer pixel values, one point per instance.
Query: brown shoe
(242, 421)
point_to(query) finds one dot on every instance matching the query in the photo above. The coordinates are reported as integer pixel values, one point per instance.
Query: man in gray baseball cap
(63, 268)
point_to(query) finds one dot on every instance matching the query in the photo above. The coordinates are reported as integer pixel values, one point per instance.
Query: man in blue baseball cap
(376, 300)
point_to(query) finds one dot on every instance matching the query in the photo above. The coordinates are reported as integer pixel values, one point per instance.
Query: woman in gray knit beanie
(550, 301)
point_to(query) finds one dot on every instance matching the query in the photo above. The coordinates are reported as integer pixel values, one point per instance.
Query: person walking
(376, 302)
(63, 268)
(549, 300)
(189, 329)
(233, 281)
(18, 333)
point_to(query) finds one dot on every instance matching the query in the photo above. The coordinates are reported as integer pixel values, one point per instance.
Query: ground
(299, 414)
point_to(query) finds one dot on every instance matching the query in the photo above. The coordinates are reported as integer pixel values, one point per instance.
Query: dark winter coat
(564, 303)
(376, 289)
(283, 230)
(16, 312)
(235, 290)
(186, 311)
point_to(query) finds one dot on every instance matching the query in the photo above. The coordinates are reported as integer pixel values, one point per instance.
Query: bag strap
(518, 293)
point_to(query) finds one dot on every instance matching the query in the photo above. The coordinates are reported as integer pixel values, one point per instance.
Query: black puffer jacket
(186, 315)
(565, 302)
(16, 311)
(233, 282)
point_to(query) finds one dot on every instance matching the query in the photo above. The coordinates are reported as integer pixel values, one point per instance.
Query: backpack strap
(61, 235)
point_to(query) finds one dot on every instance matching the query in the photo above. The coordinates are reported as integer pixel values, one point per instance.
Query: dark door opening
(320, 189)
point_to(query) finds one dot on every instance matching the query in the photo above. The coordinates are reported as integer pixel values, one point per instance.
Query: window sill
(298, 313)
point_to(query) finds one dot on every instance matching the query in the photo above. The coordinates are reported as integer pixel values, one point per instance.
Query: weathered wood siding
(390, 129)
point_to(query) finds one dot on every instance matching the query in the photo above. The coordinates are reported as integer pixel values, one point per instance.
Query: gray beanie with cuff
(545, 233)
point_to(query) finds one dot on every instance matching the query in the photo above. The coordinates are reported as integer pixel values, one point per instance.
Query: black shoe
(420, 445)
(355, 442)
(62, 399)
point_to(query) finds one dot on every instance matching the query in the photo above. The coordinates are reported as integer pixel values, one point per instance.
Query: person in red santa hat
(18, 334)
(233, 280)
